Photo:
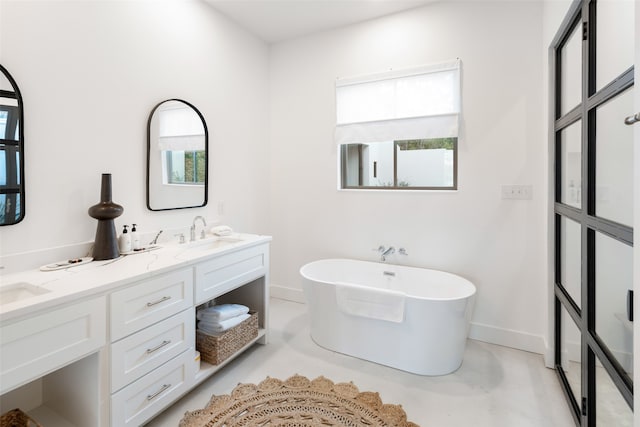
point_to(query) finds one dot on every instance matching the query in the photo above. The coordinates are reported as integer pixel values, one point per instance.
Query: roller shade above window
(180, 129)
(417, 103)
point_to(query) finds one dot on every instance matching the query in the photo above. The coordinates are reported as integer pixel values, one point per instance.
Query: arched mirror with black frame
(177, 157)
(12, 202)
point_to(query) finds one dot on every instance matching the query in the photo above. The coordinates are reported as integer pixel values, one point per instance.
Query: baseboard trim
(508, 338)
(549, 355)
(289, 294)
(480, 332)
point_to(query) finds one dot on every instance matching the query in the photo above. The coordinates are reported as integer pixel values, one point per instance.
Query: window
(185, 167)
(399, 129)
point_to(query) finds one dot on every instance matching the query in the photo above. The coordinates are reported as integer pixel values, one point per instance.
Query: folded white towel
(213, 328)
(374, 303)
(218, 313)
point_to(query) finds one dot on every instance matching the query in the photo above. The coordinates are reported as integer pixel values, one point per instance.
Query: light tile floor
(495, 386)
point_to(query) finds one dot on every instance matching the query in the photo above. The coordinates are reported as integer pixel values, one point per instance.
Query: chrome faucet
(193, 228)
(385, 252)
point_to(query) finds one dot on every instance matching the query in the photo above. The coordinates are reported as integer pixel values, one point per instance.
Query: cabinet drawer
(150, 301)
(224, 273)
(41, 344)
(142, 352)
(141, 400)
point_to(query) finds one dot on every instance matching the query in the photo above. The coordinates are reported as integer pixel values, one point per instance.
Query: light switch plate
(519, 192)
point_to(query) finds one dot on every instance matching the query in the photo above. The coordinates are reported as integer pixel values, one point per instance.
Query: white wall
(90, 73)
(498, 244)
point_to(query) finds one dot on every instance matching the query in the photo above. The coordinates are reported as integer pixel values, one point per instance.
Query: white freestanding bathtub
(413, 319)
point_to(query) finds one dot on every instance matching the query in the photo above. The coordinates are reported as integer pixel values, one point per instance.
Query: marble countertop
(97, 277)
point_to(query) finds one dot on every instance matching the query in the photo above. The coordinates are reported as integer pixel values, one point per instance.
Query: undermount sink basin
(19, 291)
(214, 243)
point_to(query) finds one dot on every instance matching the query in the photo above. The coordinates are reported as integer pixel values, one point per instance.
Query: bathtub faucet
(386, 252)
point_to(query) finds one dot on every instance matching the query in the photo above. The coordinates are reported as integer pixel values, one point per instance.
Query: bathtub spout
(390, 250)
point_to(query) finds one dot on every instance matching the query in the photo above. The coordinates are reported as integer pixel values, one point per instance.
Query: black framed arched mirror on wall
(177, 157)
(12, 203)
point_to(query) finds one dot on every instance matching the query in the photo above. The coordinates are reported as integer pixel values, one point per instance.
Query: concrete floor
(495, 386)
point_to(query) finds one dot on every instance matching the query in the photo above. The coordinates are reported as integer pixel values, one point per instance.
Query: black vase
(106, 243)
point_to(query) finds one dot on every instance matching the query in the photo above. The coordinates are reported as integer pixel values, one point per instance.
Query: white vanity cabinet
(152, 324)
(239, 277)
(49, 363)
(120, 354)
(153, 329)
(37, 345)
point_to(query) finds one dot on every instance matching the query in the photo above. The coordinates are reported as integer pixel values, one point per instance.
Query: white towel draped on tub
(374, 303)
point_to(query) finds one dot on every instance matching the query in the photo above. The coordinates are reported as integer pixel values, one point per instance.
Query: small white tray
(74, 262)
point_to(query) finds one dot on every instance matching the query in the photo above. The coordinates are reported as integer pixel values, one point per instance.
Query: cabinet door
(38, 345)
(150, 301)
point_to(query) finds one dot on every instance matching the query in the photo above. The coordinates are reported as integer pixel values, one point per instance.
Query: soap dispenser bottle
(135, 239)
(125, 241)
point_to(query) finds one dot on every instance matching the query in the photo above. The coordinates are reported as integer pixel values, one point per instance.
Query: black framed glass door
(592, 59)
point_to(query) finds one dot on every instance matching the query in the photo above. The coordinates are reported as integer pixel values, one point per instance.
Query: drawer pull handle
(158, 347)
(163, 299)
(154, 395)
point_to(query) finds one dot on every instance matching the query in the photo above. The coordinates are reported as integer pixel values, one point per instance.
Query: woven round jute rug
(297, 401)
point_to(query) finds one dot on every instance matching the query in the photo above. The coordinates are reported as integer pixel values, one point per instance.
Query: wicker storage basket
(216, 349)
(17, 418)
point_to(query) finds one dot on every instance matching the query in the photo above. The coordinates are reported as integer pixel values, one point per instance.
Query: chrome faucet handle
(403, 251)
(180, 237)
(202, 234)
(192, 233)
(379, 249)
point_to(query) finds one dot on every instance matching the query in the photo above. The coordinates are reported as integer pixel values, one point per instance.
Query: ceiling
(277, 20)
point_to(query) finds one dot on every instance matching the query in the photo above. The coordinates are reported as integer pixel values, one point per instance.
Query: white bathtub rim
(465, 295)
